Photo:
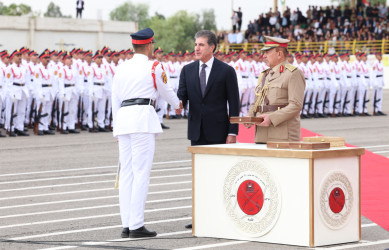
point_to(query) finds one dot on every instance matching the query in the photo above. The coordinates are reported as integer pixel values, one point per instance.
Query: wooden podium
(284, 196)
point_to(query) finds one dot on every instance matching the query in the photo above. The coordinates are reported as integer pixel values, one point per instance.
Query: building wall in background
(63, 33)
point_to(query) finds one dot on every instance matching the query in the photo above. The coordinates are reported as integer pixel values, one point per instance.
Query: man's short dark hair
(209, 35)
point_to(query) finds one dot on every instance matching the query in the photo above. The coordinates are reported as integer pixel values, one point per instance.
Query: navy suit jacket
(210, 111)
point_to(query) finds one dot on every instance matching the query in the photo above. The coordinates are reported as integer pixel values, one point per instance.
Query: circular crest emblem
(252, 198)
(336, 200)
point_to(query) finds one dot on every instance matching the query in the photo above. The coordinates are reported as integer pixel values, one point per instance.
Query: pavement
(57, 192)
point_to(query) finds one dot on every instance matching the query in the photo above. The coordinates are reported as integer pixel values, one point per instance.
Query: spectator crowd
(317, 24)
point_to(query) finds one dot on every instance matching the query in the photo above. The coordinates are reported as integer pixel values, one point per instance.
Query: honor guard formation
(69, 90)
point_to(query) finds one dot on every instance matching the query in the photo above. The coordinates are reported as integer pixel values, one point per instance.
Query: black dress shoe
(125, 232)
(48, 132)
(93, 131)
(164, 126)
(73, 131)
(142, 232)
(64, 132)
(21, 133)
(188, 226)
(12, 134)
(52, 128)
(103, 129)
(381, 113)
(366, 114)
(40, 132)
(83, 127)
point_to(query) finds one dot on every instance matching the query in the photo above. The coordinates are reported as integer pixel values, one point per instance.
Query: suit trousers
(136, 157)
(203, 141)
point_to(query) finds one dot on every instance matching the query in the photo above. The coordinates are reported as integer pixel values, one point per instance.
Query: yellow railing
(372, 46)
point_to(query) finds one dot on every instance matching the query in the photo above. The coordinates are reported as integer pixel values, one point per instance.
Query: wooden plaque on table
(334, 141)
(237, 119)
(299, 145)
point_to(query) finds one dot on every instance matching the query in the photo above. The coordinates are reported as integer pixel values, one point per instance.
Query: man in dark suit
(210, 86)
(79, 8)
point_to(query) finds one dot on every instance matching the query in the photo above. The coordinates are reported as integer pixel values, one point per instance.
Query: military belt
(245, 77)
(349, 77)
(269, 108)
(306, 78)
(99, 83)
(46, 85)
(329, 79)
(69, 85)
(138, 101)
(256, 77)
(358, 76)
(18, 84)
(367, 77)
(321, 78)
(85, 80)
(173, 77)
(337, 78)
(379, 76)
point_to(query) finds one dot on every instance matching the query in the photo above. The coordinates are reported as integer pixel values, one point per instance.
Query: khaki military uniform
(283, 103)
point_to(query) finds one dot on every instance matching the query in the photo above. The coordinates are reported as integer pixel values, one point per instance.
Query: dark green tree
(131, 12)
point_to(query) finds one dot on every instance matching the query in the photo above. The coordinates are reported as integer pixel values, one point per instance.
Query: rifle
(325, 101)
(38, 118)
(110, 121)
(345, 102)
(63, 114)
(317, 102)
(375, 102)
(106, 108)
(364, 102)
(93, 114)
(310, 103)
(32, 111)
(356, 100)
(58, 114)
(79, 112)
(53, 112)
(11, 121)
(168, 111)
(82, 112)
(334, 106)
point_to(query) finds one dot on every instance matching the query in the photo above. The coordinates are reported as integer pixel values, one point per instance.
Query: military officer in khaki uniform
(279, 95)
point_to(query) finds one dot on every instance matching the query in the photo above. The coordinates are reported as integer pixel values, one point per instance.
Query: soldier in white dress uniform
(18, 80)
(44, 92)
(136, 85)
(98, 85)
(3, 86)
(377, 82)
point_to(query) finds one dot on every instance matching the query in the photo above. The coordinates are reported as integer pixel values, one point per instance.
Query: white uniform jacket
(133, 79)
(18, 81)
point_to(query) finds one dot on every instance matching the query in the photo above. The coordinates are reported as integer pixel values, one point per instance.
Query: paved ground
(57, 191)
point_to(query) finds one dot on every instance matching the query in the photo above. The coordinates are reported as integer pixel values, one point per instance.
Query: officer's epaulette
(290, 67)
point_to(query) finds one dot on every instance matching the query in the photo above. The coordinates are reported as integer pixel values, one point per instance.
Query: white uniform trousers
(108, 109)
(71, 109)
(44, 122)
(174, 83)
(85, 100)
(19, 111)
(377, 99)
(321, 91)
(161, 108)
(136, 158)
(363, 95)
(307, 96)
(312, 110)
(334, 99)
(99, 108)
(2, 111)
(28, 109)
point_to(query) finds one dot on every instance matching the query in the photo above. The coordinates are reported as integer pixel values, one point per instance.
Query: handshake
(179, 111)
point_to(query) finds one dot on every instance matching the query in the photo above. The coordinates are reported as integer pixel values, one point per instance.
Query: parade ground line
(86, 208)
(94, 198)
(94, 216)
(91, 243)
(90, 168)
(91, 229)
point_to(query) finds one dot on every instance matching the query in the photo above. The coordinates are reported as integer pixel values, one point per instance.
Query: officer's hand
(266, 121)
(178, 111)
(181, 105)
(231, 139)
(248, 125)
